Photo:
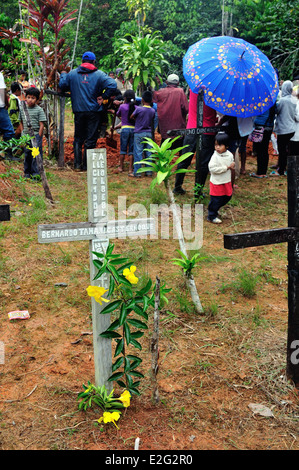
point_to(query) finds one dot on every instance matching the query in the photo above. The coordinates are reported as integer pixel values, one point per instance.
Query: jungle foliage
(271, 25)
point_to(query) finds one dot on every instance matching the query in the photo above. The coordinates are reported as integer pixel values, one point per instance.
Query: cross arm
(196, 130)
(4, 212)
(259, 238)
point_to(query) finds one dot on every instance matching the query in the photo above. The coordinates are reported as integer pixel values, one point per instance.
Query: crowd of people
(108, 100)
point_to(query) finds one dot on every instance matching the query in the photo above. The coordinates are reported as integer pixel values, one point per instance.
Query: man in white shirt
(6, 127)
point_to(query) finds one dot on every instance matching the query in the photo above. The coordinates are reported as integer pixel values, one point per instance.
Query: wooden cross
(4, 212)
(290, 235)
(98, 230)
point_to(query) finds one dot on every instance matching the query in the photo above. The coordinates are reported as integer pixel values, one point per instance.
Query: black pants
(207, 150)
(283, 145)
(262, 153)
(86, 132)
(216, 202)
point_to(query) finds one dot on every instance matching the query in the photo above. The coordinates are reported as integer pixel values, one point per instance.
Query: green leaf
(137, 334)
(121, 384)
(136, 373)
(115, 262)
(99, 255)
(127, 333)
(145, 289)
(113, 271)
(137, 323)
(123, 314)
(119, 348)
(110, 334)
(117, 363)
(111, 306)
(136, 344)
(114, 325)
(134, 391)
(111, 287)
(115, 376)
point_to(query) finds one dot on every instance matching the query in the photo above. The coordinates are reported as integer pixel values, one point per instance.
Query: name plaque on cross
(98, 230)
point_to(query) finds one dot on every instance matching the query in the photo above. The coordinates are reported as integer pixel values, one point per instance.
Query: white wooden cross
(98, 230)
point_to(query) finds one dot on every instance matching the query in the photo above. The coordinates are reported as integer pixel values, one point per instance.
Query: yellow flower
(34, 151)
(88, 389)
(125, 398)
(110, 417)
(129, 275)
(97, 293)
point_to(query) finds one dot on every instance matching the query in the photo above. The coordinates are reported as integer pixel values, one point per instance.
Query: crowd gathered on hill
(108, 102)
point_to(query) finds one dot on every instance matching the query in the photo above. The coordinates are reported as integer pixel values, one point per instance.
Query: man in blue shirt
(89, 87)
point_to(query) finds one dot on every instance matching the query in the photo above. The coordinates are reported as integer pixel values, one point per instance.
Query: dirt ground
(212, 368)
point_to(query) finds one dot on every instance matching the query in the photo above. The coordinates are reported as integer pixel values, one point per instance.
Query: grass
(239, 340)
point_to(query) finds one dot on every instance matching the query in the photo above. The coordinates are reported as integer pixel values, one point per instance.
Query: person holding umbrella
(236, 78)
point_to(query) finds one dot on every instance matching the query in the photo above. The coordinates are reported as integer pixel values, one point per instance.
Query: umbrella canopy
(236, 77)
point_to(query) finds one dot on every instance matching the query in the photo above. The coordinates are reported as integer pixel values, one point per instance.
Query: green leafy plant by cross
(187, 264)
(14, 144)
(125, 330)
(162, 160)
(98, 396)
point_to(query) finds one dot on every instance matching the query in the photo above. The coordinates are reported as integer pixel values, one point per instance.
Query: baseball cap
(88, 56)
(173, 78)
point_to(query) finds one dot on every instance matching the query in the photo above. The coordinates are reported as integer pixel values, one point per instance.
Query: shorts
(127, 141)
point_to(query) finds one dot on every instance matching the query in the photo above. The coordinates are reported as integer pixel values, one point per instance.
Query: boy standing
(144, 116)
(37, 119)
(14, 107)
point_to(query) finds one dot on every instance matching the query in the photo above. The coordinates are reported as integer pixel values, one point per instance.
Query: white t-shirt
(2, 91)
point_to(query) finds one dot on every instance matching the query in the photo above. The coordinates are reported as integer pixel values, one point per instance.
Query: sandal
(275, 173)
(254, 175)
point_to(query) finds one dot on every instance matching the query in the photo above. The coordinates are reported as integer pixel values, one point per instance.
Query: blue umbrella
(236, 77)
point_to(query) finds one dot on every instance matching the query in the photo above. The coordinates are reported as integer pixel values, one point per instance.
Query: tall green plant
(142, 58)
(162, 162)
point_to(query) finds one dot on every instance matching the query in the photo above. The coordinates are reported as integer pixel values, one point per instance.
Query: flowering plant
(110, 405)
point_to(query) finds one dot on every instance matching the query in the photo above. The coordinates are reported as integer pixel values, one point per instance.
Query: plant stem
(189, 280)
(155, 343)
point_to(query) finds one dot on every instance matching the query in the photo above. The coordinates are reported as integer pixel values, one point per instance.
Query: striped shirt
(36, 115)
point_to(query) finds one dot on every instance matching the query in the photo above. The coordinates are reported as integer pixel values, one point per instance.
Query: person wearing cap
(88, 87)
(172, 108)
(120, 82)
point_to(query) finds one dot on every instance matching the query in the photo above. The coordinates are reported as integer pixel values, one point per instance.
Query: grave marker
(4, 212)
(290, 235)
(98, 230)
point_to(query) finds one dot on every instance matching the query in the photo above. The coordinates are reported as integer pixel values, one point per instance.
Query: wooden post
(4, 212)
(155, 343)
(290, 235)
(199, 138)
(61, 131)
(98, 230)
(293, 272)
